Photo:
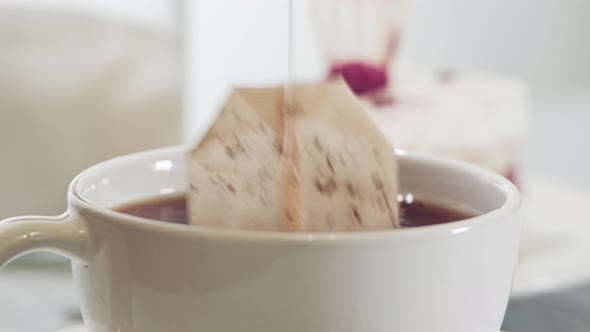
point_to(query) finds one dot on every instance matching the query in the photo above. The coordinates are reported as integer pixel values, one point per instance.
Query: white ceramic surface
(555, 250)
(134, 274)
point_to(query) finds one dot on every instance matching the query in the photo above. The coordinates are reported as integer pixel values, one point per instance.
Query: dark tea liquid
(417, 213)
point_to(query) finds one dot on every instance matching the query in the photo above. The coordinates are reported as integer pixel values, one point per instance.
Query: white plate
(555, 249)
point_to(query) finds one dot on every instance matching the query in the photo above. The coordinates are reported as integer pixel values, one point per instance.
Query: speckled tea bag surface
(315, 164)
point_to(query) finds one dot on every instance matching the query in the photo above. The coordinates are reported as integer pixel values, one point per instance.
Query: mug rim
(512, 202)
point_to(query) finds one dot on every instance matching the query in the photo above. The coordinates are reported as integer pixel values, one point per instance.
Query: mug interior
(158, 173)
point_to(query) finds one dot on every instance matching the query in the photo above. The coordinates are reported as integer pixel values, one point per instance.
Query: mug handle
(64, 234)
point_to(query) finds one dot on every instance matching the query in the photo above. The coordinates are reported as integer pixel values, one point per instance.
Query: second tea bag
(313, 162)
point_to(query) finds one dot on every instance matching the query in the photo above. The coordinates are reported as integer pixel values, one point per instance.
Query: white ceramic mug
(134, 274)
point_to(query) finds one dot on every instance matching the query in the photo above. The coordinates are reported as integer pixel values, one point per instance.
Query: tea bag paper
(315, 163)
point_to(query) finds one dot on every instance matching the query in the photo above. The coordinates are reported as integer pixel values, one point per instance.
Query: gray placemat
(564, 311)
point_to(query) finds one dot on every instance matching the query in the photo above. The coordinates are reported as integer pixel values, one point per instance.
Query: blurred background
(503, 84)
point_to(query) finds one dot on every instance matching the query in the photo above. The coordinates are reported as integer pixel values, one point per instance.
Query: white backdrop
(547, 42)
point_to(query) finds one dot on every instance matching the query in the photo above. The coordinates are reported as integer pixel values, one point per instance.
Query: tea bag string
(290, 49)
(294, 215)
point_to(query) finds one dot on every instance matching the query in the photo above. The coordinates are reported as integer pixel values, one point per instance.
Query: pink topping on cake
(362, 78)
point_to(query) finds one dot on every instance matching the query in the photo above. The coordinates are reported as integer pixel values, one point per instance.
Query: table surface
(40, 297)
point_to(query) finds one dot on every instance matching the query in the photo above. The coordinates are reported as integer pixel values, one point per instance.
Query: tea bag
(317, 163)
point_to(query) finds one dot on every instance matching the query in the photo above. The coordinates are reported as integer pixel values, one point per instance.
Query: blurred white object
(473, 116)
(359, 30)
(555, 245)
(81, 82)
(546, 42)
(359, 39)
(160, 13)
